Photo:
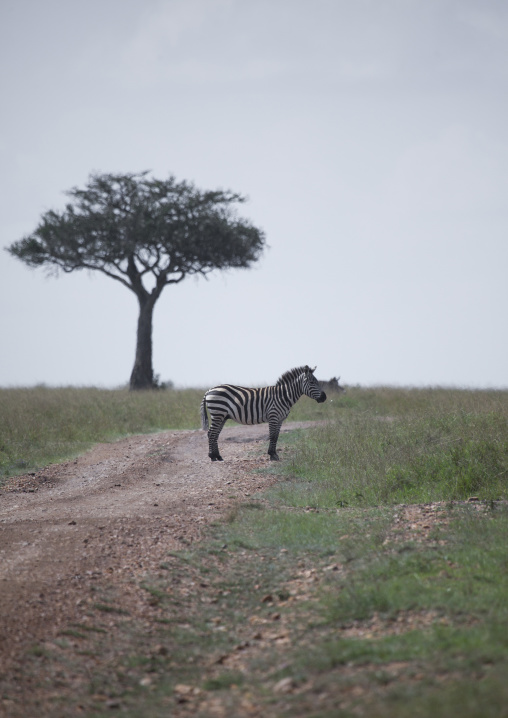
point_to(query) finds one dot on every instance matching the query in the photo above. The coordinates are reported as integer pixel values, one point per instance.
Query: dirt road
(112, 513)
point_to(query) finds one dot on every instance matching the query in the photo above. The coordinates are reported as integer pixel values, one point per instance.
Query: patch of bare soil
(112, 514)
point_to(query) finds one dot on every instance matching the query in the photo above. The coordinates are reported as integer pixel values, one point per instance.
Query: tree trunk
(142, 373)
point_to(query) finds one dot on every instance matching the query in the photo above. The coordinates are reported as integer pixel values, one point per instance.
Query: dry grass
(42, 425)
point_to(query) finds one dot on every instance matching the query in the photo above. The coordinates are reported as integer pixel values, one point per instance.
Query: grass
(39, 425)
(461, 581)
(42, 425)
(315, 581)
(401, 446)
(465, 575)
(264, 607)
(297, 531)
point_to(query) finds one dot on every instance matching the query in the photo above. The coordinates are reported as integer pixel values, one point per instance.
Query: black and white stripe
(255, 406)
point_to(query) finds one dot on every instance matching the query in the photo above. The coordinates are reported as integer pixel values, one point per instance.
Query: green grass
(466, 575)
(461, 581)
(391, 446)
(297, 531)
(40, 425)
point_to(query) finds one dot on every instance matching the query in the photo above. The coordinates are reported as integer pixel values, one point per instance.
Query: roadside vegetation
(389, 446)
(370, 580)
(42, 425)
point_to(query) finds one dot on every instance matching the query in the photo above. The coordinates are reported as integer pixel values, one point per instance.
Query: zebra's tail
(204, 415)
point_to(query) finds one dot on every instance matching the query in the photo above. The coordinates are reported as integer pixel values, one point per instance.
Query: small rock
(184, 693)
(286, 685)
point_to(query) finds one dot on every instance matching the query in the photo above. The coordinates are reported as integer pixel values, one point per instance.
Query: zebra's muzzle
(322, 398)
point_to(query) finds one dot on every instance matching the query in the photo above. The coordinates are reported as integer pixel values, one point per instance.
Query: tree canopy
(145, 233)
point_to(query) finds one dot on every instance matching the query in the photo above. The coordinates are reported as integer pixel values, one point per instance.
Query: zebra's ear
(313, 370)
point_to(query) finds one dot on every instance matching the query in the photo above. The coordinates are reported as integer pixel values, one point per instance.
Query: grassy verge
(398, 446)
(39, 426)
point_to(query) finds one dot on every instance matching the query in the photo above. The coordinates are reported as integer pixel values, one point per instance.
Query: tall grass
(373, 446)
(398, 446)
(40, 425)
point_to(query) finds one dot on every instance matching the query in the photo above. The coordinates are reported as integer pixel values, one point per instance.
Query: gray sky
(371, 137)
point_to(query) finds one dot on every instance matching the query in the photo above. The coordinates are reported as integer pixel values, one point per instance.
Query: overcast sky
(371, 137)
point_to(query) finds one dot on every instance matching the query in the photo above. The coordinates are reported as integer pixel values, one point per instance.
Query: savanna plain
(365, 574)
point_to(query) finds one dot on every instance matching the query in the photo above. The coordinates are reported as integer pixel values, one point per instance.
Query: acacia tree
(145, 233)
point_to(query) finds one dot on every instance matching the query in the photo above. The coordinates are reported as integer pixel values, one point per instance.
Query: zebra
(255, 406)
(333, 385)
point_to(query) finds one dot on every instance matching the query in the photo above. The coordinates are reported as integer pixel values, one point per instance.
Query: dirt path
(114, 512)
(76, 531)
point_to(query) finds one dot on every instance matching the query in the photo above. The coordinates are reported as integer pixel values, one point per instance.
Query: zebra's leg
(274, 429)
(213, 437)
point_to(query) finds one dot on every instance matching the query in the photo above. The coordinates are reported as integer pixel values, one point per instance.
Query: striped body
(255, 406)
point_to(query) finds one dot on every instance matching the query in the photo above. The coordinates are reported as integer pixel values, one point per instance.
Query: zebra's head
(310, 385)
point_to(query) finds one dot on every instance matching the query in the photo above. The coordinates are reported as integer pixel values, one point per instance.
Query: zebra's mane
(291, 374)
